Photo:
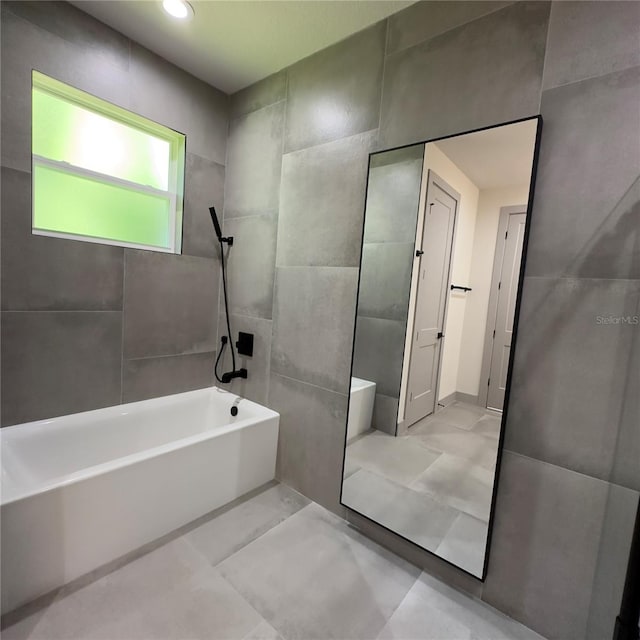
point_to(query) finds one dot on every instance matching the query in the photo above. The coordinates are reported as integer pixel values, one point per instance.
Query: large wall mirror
(443, 245)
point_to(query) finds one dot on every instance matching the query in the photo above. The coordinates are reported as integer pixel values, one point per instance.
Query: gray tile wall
(75, 330)
(86, 325)
(570, 479)
(388, 241)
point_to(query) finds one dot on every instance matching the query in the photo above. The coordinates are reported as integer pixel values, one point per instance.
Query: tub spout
(230, 375)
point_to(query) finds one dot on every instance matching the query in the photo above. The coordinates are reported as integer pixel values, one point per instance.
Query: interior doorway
(431, 300)
(502, 302)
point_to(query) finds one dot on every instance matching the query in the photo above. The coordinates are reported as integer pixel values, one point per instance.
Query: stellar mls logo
(618, 320)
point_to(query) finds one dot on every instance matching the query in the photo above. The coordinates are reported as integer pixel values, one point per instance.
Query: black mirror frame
(505, 411)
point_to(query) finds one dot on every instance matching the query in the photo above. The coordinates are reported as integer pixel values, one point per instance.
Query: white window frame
(174, 193)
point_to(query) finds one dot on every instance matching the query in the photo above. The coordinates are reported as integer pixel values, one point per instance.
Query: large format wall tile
(322, 203)
(56, 363)
(255, 387)
(483, 73)
(73, 25)
(250, 264)
(377, 353)
(424, 20)
(153, 377)
(588, 39)
(168, 95)
(544, 547)
(203, 188)
(393, 195)
(613, 557)
(41, 273)
(170, 304)
(575, 377)
(311, 440)
(173, 300)
(336, 93)
(385, 414)
(25, 47)
(261, 94)
(385, 280)
(254, 158)
(313, 313)
(590, 137)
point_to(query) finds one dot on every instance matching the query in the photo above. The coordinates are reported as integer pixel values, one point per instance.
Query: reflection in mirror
(442, 248)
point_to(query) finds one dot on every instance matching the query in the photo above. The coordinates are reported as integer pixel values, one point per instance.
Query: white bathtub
(361, 399)
(82, 490)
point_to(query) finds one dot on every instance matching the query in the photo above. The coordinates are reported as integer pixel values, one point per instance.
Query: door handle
(440, 335)
(419, 253)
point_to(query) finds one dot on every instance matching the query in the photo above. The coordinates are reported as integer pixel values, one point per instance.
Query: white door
(505, 312)
(435, 262)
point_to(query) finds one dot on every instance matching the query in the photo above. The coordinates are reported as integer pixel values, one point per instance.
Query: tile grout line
(591, 78)
(545, 58)
(277, 219)
(382, 77)
(453, 28)
(406, 595)
(171, 355)
(310, 384)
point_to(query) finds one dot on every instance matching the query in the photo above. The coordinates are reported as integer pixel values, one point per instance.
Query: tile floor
(274, 567)
(433, 485)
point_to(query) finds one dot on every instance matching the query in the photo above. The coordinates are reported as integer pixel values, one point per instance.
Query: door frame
(498, 256)
(432, 178)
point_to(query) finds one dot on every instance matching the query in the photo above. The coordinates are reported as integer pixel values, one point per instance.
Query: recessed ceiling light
(178, 9)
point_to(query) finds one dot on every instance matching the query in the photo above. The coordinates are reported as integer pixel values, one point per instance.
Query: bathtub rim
(133, 458)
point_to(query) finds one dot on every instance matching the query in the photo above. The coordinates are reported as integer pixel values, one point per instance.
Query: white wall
(484, 246)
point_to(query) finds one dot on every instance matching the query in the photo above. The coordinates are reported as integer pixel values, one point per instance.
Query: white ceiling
(233, 43)
(494, 158)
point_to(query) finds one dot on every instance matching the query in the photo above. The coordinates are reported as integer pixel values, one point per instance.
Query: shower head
(216, 224)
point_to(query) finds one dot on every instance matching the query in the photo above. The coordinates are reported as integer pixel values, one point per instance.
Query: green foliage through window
(101, 173)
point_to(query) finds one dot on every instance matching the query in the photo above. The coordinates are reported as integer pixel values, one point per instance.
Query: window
(103, 174)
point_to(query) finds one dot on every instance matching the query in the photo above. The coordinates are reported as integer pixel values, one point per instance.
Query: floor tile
(461, 415)
(207, 606)
(444, 438)
(488, 426)
(398, 459)
(264, 631)
(465, 543)
(310, 576)
(314, 577)
(233, 529)
(415, 516)
(433, 611)
(464, 486)
(81, 614)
